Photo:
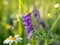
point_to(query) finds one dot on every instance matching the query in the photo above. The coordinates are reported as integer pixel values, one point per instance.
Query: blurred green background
(48, 13)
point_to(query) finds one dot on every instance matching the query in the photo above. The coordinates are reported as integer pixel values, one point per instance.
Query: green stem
(54, 23)
(46, 43)
(16, 43)
(37, 42)
(9, 43)
(37, 32)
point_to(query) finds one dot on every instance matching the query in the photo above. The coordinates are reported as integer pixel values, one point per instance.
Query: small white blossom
(56, 5)
(17, 17)
(5, 3)
(28, 44)
(11, 39)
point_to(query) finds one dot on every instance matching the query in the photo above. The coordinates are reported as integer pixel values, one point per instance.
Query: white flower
(28, 44)
(17, 17)
(56, 5)
(11, 39)
(5, 3)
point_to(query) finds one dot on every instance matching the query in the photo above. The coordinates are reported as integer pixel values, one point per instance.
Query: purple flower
(38, 18)
(27, 24)
(36, 12)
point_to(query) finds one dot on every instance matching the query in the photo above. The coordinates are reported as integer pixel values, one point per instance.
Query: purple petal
(42, 23)
(29, 36)
(25, 24)
(36, 12)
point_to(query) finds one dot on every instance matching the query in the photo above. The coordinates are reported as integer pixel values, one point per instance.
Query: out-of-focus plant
(11, 39)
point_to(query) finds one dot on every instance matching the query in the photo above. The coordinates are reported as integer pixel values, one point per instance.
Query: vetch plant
(28, 24)
(11, 39)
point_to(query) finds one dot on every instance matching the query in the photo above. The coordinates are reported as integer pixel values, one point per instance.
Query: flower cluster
(28, 25)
